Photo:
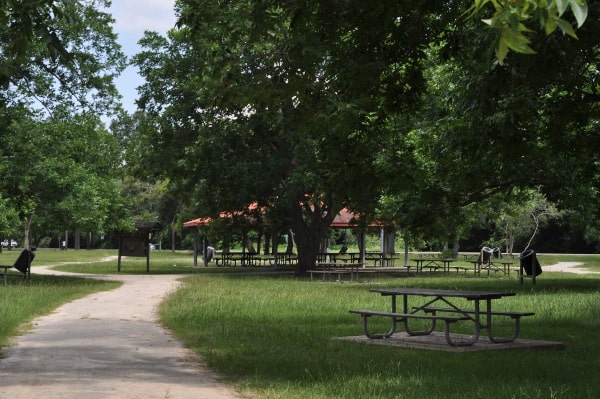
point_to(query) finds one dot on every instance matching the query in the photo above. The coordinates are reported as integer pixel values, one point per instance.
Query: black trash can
(496, 253)
(530, 263)
(24, 261)
(485, 255)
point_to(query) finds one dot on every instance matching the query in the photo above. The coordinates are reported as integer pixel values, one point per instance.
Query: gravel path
(107, 345)
(568, 267)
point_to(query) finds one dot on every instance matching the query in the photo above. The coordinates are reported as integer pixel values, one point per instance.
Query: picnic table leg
(474, 337)
(407, 328)
(365, 318)
(499, 340)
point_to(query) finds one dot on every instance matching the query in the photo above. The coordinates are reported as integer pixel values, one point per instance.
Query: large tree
(58, 59)
(271, 101)
(59, 53)
(62, 173)
(487, 129)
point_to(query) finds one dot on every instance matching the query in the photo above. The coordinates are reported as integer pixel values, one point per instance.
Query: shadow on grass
(277, 334)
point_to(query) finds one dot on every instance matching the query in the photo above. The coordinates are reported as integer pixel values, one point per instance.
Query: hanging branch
(536, 219)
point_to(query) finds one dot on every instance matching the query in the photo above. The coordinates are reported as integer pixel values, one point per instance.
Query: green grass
(274, 336)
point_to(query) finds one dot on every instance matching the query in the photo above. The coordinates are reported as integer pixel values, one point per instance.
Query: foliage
(274, 100)
(58, 60)
(59, 54)
(488, 131)
(76, 160)
(370, 106)
(509, 20)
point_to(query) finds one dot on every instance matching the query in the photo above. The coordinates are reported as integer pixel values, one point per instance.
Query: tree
(58, 59)
(59, 54)
(509, 20)
(63, 172)
(475, 134)
(271, 102)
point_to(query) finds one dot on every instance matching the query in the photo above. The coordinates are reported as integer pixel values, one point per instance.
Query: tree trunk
(455, 249)
(173, 236)
(309, 222)
(267, 244)
(290, 243)
(26, 233)
(406, 249)
(77, 242)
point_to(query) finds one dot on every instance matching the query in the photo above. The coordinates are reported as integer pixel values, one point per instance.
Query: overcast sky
(132, 18)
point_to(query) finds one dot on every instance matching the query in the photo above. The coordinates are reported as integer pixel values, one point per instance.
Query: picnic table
(433, 263)
(232, 258)
(495, 266)
(22, 264)
(376, 257)
(335, 269)
(441, 306)
(5, 272)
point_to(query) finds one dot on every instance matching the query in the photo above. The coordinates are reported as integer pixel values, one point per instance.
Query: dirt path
(568, 267)
(107, 345)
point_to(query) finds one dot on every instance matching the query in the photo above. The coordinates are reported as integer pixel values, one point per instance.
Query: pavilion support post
(205, 250)
(195, 247)
(363, 250)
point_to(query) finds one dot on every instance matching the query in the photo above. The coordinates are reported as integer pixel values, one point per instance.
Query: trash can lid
(526, 254)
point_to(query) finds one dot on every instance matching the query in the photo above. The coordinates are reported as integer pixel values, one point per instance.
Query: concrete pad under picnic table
(436, 341)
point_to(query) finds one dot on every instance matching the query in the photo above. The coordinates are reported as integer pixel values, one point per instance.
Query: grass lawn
(273, 336)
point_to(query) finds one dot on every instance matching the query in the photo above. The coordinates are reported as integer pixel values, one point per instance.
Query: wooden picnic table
(480, 313)
(495, 266)
(232, 258)
(433, 263)
(331, 268)
(5, 272)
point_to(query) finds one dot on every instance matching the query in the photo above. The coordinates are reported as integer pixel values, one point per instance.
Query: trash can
(530, 263)
(485, 255)
(496, 252)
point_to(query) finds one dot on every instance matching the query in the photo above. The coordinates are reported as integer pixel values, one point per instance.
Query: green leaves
(510, 16)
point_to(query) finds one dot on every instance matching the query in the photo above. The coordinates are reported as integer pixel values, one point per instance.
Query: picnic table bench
(450, 313)
(283, 258)
(5, 272)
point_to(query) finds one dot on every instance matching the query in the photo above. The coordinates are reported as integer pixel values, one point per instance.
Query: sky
(132, 18)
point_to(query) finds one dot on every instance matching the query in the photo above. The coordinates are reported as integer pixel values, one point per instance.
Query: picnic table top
(443, 293)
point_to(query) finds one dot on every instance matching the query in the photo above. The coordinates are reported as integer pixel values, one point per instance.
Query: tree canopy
(58, 59)
(308, 108)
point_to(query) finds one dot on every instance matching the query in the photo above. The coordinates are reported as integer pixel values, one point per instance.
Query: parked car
(6, 244)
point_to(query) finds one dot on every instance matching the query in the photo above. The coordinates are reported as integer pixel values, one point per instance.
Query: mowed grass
(275, 336)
